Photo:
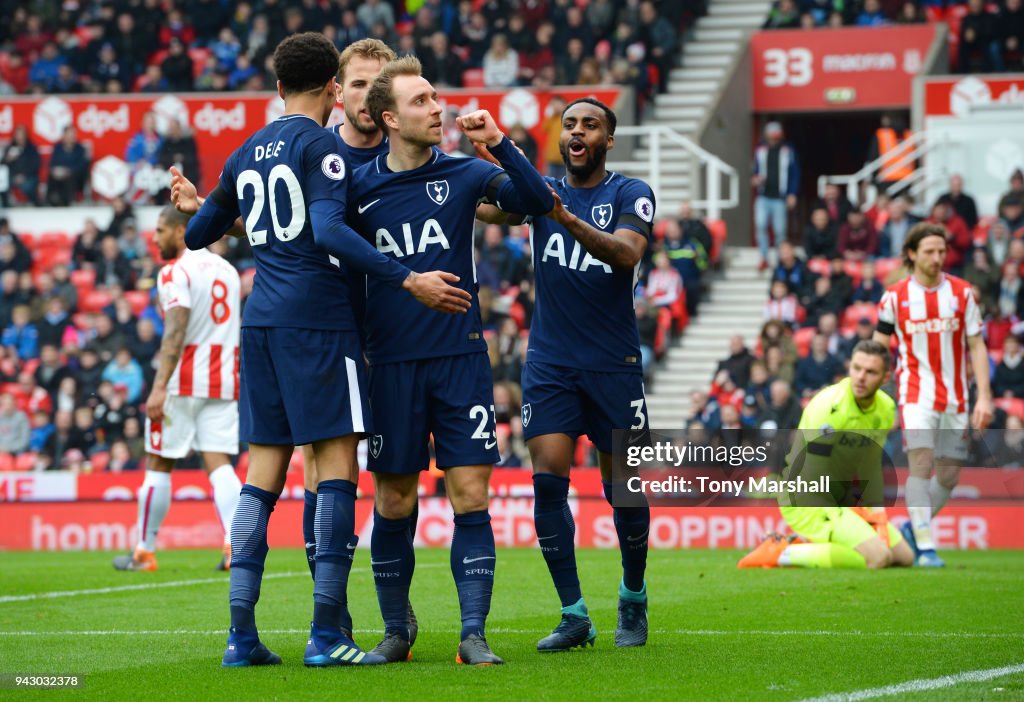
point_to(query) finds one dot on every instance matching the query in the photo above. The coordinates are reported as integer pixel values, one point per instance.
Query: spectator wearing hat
(777, 180)
(1011, 213)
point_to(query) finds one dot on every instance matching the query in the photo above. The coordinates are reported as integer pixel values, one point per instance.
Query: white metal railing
(910, 153)
(714, 168)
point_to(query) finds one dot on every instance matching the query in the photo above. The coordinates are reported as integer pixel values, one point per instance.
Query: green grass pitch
(717, 633)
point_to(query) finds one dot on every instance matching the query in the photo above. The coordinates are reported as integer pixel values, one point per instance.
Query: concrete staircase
(693, 85)
(735, 306)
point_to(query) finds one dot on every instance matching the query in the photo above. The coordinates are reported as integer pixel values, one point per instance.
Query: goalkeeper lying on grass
(841, 434)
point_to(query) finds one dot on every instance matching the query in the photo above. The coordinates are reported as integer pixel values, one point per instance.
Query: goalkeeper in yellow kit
(841, 434)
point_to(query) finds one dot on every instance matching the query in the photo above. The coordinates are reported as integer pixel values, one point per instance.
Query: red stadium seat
(661, 335)
(138, 299)
(7, 462)
(659, 229)
(885, 266)
(94, 301)
(84, 280)
(802, 339)
(46, 258)
(25, 461)
(1011, 405)
(243, 462)
(821, 266)
(99, 461)
(719, 233)
(55, 240)
(857, 310)
(679, 314)
(517, 313)
(473, 78)
(198, 57)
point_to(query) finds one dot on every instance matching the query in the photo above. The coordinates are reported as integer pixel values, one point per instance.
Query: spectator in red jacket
(857, 237)
(958, 236)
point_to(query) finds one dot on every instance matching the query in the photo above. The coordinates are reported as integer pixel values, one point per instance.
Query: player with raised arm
(194, 400)
(840, 536)
(430, 374)
(938, 326)
(583, 372)
(302, 374)
(362, 140)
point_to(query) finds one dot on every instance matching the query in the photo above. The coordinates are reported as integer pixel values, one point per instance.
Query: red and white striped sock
(154, 501)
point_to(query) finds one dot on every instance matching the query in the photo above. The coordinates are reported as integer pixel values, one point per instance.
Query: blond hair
(381, 96)
(373, 49)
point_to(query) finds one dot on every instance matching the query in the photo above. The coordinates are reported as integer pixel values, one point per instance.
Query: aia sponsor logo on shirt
(932, 326)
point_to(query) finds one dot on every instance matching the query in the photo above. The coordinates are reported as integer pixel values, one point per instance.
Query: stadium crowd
(822, 301)
(164, 46)
(984, 36)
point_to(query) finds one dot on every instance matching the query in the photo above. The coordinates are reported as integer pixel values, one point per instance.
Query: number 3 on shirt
(220, 311)
(297, 219)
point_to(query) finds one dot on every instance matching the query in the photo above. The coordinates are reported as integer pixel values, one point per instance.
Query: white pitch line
(130, 588)
(171, 583)
(503, 630)
(922, 685)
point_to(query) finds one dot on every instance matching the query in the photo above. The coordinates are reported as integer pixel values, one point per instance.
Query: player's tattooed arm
(175, 325)
(186, 200)
(623, 248)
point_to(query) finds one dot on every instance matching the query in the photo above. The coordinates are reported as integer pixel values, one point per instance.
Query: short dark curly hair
(305, 62)
(609, 116)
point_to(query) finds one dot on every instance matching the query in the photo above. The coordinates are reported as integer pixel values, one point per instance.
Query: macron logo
(363, 208)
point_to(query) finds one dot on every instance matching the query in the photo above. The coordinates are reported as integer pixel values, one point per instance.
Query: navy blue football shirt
(273, 180)
(423, 218)
(584, 317)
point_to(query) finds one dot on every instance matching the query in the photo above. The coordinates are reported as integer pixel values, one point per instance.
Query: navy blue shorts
(562, 400)
(301, 385)
(451, 398)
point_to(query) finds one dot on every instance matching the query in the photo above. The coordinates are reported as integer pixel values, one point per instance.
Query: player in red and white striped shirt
(938, 325)
(194, 400)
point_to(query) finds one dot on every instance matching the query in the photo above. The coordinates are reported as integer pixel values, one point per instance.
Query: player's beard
(595, 160)
(353, 119)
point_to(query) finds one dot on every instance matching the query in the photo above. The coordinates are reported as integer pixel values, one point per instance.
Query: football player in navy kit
(583, 372)
(302, 376)
(430, 373)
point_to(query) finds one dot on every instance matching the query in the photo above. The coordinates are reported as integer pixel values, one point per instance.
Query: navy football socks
(473, 560)
(335, 550)
(249, 554)
(633, 525)
(393, 560)
(555, 533)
